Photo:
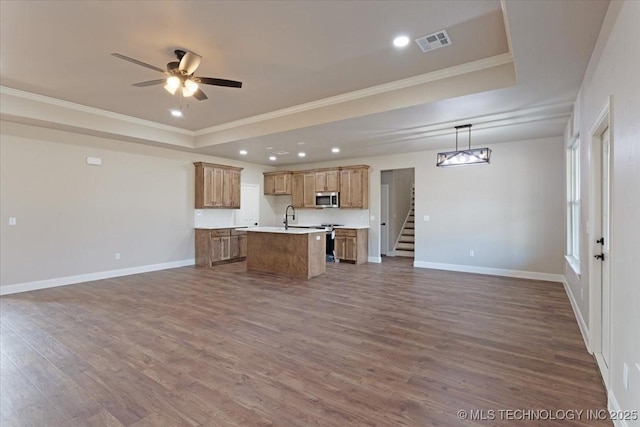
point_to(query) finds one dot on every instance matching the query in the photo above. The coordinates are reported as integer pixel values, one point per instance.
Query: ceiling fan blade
(150, 83)
(135, 61)
(189, 63)
(200, 95)
(218, 82)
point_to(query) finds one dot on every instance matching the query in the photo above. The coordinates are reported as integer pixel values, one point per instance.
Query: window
(573, 204)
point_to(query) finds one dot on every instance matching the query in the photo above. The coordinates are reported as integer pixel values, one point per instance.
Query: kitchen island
(296, 252)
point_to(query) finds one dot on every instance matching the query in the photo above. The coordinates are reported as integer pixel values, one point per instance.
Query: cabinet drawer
(238, 231)
(222, 232)
(345, 232)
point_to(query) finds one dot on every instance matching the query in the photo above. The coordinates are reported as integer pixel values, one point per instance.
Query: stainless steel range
(331, 241)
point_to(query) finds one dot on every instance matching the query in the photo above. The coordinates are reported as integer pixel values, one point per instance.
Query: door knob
(600, 240)
(599, 256)
(384, 223)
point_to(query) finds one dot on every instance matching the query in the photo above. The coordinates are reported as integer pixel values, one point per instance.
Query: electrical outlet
(472, 253)
(117, 256)
(426, 218)
(625, 376)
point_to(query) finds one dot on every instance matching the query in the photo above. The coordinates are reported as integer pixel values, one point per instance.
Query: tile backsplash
(351, 217)
(205, 218)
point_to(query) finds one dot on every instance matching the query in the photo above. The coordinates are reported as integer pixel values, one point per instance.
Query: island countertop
(282, 230)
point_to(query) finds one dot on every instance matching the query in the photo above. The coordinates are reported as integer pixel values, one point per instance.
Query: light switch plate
(426, 217)
(12, 220)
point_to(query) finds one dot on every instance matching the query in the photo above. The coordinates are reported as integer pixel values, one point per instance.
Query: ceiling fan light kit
(173, 83)
(181, 75)
(463, 157)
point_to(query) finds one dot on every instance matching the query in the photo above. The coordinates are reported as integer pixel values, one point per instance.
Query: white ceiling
(321, 73)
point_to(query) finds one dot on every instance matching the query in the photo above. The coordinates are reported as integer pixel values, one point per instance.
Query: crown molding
(4, 90)
(505, 19)
(457, 70)
(561, 110)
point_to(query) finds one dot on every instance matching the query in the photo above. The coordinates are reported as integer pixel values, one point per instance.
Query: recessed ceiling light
(335, 150)
(176, 113)
(268, 148)
(401, 41)
(272, 157)
(300, 143)
(301, 154)
(243, 152)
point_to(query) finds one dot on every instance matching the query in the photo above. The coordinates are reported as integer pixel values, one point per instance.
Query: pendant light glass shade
(463, 157)
(190, 87)
(173, 83)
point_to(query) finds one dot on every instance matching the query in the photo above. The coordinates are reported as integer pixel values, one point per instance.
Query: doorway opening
(397, 204)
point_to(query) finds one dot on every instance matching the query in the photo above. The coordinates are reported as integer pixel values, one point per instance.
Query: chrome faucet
(286, 216)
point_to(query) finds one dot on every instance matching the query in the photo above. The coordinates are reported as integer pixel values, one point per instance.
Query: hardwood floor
(364, 345)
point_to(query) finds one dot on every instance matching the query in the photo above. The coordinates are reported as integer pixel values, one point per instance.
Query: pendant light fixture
(463, 157)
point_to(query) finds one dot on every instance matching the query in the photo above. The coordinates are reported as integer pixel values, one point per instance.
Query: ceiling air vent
(434, 41)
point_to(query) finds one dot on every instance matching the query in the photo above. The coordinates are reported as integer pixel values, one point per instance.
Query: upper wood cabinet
(277, 183)
(354, 187)
(217, 186)
(351, 181)
(327, 180)
(309, 190)
(303, 190)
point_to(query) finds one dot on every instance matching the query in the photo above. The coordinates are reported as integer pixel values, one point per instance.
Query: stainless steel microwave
(327, 200)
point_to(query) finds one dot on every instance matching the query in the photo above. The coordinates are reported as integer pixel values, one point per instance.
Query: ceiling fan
(180, 75)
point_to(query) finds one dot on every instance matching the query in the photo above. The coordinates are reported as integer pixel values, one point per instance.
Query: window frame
(573, 204)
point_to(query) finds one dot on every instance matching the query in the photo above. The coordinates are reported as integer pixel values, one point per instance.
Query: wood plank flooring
(363, 345)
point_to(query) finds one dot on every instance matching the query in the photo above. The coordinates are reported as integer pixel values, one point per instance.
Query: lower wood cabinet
(219, 246)
(352, 245)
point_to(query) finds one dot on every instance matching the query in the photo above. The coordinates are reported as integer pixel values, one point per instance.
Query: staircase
(406, 243)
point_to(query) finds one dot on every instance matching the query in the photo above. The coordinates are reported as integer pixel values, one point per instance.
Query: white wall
(511, 212)
(614, 71)
(72, 218)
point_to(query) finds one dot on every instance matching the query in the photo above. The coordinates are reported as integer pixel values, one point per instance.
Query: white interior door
(605, 244)
(384, 219)
(249, 212)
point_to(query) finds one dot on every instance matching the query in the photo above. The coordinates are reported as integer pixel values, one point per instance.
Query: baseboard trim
(70, 280)
(613, 406)
(491, 271)
(584, 330)
(375, 259)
